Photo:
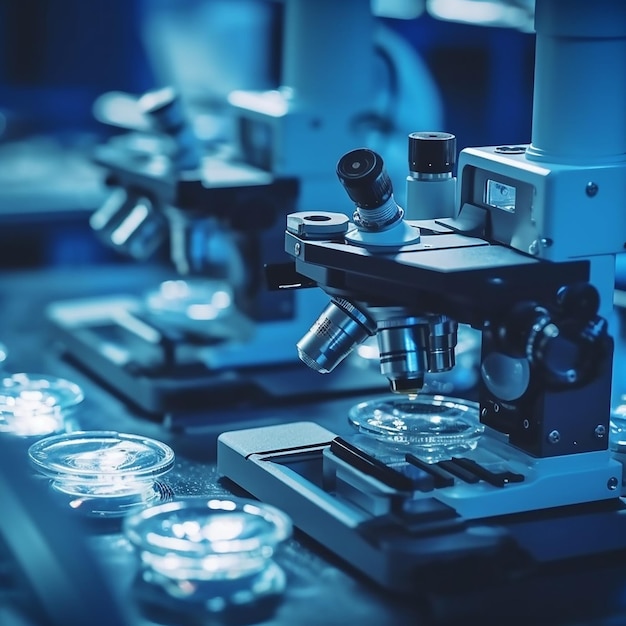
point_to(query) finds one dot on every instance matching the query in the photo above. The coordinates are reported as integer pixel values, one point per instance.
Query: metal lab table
(320, 589)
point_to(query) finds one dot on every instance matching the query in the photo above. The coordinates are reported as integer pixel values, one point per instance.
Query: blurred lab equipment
(380, 502)
(36, 405)
(219, 208)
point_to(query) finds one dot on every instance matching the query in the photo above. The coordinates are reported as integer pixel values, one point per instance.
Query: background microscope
(526, 512)
(211, 329)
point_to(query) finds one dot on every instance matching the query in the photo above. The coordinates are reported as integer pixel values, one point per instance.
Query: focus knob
(566, 351)
(569, 352)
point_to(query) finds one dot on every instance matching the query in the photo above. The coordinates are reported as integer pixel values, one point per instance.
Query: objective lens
(411, 346)
(130, 223)
(442, 340)
(403, 353)
(340, 328)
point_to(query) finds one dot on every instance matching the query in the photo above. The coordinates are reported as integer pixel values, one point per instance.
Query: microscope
(523, 249)
(213, 333)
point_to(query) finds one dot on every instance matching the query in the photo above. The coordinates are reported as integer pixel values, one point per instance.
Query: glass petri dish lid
(103, 473)
(200, 308)
(191, 299)
(433, 427)
(35, 404)
(218, 551)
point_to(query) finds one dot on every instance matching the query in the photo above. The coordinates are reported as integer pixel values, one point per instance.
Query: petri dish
(104, 473)
(433, 427)
(201, 310)
(36, 405)
(214, 551)
(191, 304)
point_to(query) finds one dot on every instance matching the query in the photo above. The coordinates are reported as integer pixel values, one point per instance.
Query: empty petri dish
(433, 427)
(104, 473)
(36, 405)
(214, 551)
(200, 309)
(190, 303)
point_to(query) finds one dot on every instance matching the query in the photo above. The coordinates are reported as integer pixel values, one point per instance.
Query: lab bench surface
(320, 588)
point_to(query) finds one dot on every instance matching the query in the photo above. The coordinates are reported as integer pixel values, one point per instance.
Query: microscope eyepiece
(362, 174)
(432, 153)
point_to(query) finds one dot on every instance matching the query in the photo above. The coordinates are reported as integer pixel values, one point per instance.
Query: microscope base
(411, 544)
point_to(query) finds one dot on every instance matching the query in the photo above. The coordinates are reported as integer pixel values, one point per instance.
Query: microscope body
(530, 214)
(235, 200)
(547, 211)
(222, 209)
(546, 355)
(295, 129)
(526, 256)
(524, 252)
(219, 218)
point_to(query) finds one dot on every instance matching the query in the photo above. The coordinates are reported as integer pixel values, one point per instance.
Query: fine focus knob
(565, 350)
(570, 355)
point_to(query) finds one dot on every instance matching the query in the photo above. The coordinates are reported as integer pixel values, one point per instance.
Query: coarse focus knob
(570, 356)
(362, 174)
(565, 350)
(432, 153)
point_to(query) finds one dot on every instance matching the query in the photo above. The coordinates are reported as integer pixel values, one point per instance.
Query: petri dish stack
(433, 427)
(213, 552)
(104, 473)
(34, 405)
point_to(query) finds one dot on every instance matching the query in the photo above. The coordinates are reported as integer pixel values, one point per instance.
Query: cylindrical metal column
(580, 82)
(328, 52)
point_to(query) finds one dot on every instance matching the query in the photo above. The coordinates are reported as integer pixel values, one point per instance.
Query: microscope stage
(403, 525)
(164, 373)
